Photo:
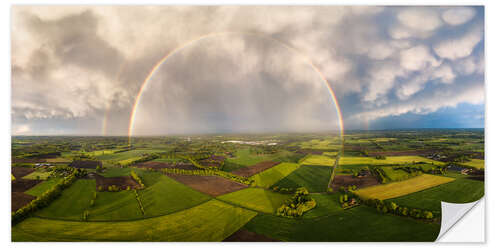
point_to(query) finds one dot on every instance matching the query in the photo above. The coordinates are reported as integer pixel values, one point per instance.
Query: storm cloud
(78, 69)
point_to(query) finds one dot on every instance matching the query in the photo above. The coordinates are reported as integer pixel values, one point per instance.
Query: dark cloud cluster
(85, 64)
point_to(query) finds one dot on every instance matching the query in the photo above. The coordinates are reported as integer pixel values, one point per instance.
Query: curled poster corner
(451, 213)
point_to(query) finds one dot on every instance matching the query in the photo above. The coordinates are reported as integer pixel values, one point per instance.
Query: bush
(296, 206)
(136, 178)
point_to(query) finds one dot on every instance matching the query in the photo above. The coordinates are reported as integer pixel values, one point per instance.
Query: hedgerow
(390, 207)
(137, 178)
(45, 199)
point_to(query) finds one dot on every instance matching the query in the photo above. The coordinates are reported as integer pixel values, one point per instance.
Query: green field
(101, 152)
(395, 174)
(115, 206)
(356, 224)
(396, 189)
(37, 175)
(326, 204)
(244, 157)
(461, 190)
(40, 188)
(326, 144)
(129, 160)
(319, 160)
(330, 154)
(270, 176)
(72, 202)
(258, 199)
(210, 221)
(387, 161)
(314, 178)
(475, 163)
(164, 195)
(136, 153)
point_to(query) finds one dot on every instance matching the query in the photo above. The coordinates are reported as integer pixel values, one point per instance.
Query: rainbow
(187, 44)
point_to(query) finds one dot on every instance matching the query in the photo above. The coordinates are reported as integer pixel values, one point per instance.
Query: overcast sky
(77, 70)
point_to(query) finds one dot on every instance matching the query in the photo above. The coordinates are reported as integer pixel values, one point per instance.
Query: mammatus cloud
(458, 16)
(77, 69)
(460, 47)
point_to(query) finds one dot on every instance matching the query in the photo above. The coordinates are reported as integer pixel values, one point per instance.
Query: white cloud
(417, 58)
(458, 15)
(460, 47)
(444, 73)
(422, 19)
(77, 62)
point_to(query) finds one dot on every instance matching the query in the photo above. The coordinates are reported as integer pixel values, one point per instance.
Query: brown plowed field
(121, 182)
(349, 180)
(19, 172)
(161, 165)
(255, 169)
(20, 199)
(21, 185)
(28, 160)
(243, 235)
(211, 185)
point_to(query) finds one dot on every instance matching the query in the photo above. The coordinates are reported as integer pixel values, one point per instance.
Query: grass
(41, 188)
(246, 158)
(314, 178)
(388, 160)
(37, 175)
(357, 224)
(327, 144)
(164, 195)
(475, 163)
(319, 160)
(72, 202)
(461, 190)
(129, 160)
(395, 174)
(258, 199)
(115, 172)
(136, 153)
(115, 206)
(396, 189)
(326, 204)
(101, 152)
(210, 221)
(272, 175)
(231, 166)
(330, 154)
